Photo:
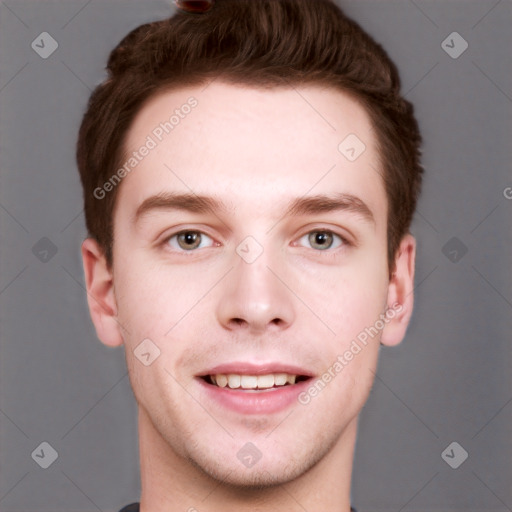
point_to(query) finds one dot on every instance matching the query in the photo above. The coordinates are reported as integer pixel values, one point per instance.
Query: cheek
(347, 298)
(153, 298)
(143, 294)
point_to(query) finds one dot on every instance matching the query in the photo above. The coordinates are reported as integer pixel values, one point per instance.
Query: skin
(255, 151)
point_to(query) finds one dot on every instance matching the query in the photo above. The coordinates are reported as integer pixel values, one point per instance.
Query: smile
(254, 382)
(246, 388)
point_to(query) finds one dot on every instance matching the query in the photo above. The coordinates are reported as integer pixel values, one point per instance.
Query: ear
(100, 294)
(400, 293)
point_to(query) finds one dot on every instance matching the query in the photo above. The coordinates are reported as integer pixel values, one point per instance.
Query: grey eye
(321, 240)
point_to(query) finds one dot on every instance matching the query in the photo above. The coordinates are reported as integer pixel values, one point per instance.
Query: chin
(264, 477)
(280, 469)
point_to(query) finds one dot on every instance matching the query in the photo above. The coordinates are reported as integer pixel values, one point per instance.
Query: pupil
(189, 240)
(321, 240)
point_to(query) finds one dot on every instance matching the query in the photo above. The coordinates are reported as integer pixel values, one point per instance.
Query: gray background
(450, 380)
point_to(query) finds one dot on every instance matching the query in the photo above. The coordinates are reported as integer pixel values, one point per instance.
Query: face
(249, 258)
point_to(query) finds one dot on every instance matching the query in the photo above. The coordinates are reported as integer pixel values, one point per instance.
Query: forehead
(253, 144)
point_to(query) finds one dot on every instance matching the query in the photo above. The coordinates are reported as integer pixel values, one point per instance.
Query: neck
(171, 483)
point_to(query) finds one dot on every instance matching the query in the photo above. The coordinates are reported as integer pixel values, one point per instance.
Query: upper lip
(247, 368)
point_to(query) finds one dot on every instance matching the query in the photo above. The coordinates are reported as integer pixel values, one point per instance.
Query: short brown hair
(261, 43)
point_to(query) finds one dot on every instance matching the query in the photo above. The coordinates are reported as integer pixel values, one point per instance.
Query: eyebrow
(187, 202)
(327, 203)
(311, 205)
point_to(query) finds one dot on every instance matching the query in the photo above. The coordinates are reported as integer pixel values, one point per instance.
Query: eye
(190, 240)
(321, 240)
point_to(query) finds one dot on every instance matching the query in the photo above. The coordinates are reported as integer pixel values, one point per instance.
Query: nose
(255, 298)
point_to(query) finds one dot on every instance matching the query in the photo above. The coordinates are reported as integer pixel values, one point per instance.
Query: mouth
(253, 383)
(248, 388)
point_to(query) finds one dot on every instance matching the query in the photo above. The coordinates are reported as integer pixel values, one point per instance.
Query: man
(250, 174)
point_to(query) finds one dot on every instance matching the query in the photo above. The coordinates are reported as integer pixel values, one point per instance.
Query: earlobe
(400, 299)
(100, 294)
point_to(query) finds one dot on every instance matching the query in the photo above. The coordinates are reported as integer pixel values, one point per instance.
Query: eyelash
(342, 240)
(185, 231)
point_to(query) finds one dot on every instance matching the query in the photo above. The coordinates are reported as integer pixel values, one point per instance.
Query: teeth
(248, 381)
(280, 379)
(222, 380)
(265, 381)
(235, 381)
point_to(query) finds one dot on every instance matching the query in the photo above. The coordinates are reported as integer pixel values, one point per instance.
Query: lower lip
(254, 402)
